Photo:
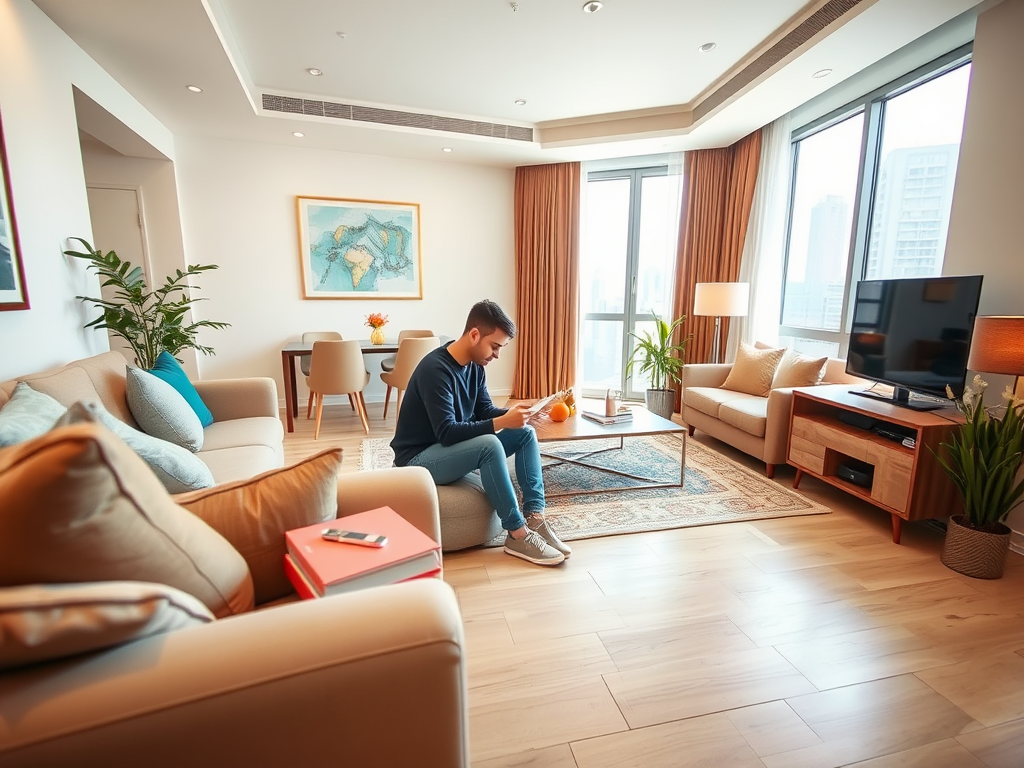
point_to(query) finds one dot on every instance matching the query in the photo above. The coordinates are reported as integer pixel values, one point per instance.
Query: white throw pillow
(161, 411)
(27, 414)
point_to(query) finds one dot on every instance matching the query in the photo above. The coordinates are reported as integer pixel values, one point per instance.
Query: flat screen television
(915, 334)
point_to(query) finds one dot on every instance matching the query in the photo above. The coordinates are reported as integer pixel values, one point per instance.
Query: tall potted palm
(150, 321)
(983, 458)
(656, 356)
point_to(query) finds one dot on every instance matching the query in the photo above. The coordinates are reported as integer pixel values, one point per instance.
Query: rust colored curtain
(547, 228)
(717, 196)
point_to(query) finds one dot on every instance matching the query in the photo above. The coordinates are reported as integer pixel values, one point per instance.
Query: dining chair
(410, 352)
(388, 363)
(337, 369)
(304, 360)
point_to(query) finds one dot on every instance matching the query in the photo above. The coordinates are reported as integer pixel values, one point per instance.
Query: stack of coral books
(318, 567)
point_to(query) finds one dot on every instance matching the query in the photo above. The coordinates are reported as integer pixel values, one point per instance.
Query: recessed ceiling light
(194, 88)
(707, 47)
(520, 102)
(822, 73)
(298, 134)
(446, 149)
(314, 71)
(593, 6)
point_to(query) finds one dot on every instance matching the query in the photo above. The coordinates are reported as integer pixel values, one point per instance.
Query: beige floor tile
(816, 756)
(653, 603)
(701, 741)
(800, 622)
(773, 589)
(998, 747)
(772, 727)
(881, 717)
(896, 571)
(857, 657)
(704, 685)
(633, 648)
(486, 634)
(918, 602)
(559, 756)
(466, 577)
(509, 719)
(518, 594)
(961, 635)
(988, 688)
(947, 753)
(566, 658)
(801, 556)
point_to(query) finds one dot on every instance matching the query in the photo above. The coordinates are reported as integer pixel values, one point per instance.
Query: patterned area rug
(717, 489)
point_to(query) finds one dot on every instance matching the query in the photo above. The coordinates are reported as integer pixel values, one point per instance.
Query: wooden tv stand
(908, 483)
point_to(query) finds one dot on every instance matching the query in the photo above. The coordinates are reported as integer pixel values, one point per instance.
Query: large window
(625, 269)
(872, 191)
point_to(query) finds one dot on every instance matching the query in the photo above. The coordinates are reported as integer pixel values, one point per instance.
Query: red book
(305, 589)
(332, 568)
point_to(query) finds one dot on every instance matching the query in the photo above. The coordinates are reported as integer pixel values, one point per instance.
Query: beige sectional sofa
(246, 436)
(373, 677)
(755, 425)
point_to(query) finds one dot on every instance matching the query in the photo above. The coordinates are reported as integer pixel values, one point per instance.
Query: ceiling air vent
(296, 106)
(818, 21)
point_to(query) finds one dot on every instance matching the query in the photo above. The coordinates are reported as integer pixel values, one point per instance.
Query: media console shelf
(908, 483)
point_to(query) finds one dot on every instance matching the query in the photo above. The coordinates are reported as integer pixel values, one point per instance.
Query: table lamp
(997, 346)
(720, 300)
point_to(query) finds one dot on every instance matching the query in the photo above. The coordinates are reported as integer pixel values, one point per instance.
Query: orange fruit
(559, 412)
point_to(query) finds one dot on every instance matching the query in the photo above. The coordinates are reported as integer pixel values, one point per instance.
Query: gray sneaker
(533, 548)
(540, 525)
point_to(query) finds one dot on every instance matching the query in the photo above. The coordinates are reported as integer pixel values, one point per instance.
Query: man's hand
(514, 418)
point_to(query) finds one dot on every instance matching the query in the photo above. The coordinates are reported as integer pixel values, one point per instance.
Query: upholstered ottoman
(467, 517)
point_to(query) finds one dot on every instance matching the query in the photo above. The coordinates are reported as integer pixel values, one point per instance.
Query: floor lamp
(997, 346)
(720, 300)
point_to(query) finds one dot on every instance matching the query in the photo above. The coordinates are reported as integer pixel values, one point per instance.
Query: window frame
(872, 105)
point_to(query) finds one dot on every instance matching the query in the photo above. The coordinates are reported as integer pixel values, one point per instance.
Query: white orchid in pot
(983, 457)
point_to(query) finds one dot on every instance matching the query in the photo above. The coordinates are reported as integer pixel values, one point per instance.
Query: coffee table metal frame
(576, 427)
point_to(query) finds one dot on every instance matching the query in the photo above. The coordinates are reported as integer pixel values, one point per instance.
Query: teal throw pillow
(178, 469)
(170, 370)
(27, 415)
(161, 411)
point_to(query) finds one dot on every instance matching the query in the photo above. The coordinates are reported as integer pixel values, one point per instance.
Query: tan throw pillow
(79, 505)
(796, 370)
(45, 622)
(753, 370)
(254, 514)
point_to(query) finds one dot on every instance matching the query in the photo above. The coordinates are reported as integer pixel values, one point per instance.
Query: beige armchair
(306, 360)
(338, 369)
(755, 425)
(410, 352)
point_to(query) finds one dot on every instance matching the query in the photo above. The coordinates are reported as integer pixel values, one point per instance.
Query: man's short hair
(487, 317)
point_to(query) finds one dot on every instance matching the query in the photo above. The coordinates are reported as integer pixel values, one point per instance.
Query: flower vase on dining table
(377, 336)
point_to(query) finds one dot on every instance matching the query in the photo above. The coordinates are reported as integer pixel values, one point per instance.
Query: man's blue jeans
(488, 453)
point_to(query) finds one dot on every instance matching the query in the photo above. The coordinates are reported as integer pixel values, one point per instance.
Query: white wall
(985, 235)
(38, 66)
(238, 211)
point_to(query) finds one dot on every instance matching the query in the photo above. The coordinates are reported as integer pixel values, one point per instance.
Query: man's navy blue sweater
(445, 403)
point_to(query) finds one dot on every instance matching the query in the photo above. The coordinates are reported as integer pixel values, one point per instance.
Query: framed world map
(359, 249)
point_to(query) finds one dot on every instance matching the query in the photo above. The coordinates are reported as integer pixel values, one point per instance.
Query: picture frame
(13, 292)
(359, 249)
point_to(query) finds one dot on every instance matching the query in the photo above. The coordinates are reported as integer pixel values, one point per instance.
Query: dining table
(295, 349)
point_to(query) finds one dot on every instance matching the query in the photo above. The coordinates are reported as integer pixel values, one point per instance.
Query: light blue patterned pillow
(161, 410)
(27, 415)
(178, 469)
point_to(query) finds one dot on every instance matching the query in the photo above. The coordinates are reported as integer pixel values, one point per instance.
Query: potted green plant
(150, 322)
(661, 361)
(983, 457)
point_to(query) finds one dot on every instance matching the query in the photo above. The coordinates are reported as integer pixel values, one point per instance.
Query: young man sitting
(448, 425)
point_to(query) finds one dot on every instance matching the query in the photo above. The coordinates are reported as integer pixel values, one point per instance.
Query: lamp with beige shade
(720, 300)
(997, 346)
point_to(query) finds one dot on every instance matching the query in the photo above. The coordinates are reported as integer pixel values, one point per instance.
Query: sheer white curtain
(764, 250)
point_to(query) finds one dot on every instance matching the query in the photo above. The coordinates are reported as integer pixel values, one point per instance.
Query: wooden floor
(806, 642)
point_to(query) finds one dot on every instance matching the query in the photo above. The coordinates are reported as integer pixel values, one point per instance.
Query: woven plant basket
(974, 553)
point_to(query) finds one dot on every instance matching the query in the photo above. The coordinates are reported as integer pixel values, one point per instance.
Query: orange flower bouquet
(376, 320)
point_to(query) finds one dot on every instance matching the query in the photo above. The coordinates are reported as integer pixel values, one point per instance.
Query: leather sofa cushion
(79, 505)
(254, 514)
(708, 399)
(255, 430)
(748, 413)
(41, 622)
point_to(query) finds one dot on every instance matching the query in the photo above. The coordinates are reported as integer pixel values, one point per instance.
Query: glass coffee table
(576, 427)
